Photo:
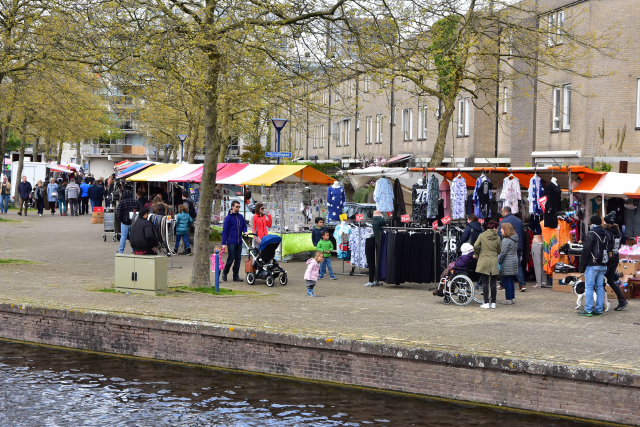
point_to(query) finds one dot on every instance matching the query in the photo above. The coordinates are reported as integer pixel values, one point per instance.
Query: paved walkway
(543, 325)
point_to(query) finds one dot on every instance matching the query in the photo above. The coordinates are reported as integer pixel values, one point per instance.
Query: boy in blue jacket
(233, 228)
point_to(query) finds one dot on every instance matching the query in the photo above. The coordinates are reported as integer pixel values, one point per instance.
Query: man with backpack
(593, 263)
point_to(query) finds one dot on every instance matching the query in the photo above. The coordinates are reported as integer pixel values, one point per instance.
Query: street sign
(404, 218)
(278, 154)
(359, 217)
(435, 224)
(182, 137)
(446, 220)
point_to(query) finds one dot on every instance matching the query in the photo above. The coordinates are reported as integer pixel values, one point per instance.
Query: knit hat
(595, 220)
(466, 248)
(610, 218)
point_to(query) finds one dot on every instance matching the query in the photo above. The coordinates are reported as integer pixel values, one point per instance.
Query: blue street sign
(276, 154)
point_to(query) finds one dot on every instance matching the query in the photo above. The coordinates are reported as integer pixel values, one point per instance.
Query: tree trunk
(78, 160)
(175, 154)
(225, 131)
(441, 142)
(36, 144)
(202, 261)
(23, 143)
(59, 154)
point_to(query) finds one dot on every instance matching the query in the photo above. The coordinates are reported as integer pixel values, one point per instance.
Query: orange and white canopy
(610, 183)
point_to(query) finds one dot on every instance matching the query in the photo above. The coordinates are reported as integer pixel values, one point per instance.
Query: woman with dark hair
(158, 207)
(260, 223)
(486, 249)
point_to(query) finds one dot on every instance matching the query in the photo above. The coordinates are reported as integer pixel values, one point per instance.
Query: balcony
(128, 126)
(233, 151)
(115, 149)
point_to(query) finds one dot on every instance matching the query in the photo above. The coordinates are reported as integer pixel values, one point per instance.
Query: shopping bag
(248, 266)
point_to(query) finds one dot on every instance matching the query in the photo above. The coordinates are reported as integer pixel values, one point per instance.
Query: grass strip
(212, 291)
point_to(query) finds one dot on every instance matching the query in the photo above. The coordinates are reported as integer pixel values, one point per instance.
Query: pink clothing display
(445, 195)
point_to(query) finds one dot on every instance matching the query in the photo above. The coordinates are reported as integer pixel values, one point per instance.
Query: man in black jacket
(188, 201)
(143, 239)
(593, 263)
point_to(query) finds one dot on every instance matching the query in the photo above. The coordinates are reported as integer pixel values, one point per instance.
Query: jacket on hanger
(552, 207)
(433, 192)
(383, 195)
(510, 194)
(398, 200)
(458, 197)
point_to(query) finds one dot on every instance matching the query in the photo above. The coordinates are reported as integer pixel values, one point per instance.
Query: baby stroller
(263, 261)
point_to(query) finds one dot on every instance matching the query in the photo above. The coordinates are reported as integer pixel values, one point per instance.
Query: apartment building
(553, 120)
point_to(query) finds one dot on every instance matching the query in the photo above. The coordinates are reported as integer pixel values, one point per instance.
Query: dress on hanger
(511, 193)
(399, 208)
(536, 191)
(335, 202)
(419, 213)
(445, 195)
(383, 195)
(433, 193)
(458, 197)
(482, 198)
(552, 207)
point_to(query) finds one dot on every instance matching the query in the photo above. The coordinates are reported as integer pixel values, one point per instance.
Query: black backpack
(600, 251)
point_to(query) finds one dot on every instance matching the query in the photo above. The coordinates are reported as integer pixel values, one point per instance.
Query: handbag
(248, 266)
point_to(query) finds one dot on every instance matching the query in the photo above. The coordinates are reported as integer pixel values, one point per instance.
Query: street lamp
(182, 139)
(166, 152)
(279, 124)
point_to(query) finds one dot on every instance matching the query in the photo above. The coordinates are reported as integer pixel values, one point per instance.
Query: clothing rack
(417, 229)
(359, 225)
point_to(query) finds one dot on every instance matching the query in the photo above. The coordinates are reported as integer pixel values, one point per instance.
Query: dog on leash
(579, 289)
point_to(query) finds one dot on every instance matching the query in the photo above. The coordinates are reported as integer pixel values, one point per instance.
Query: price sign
(404, 218)
(358, 217)
(446, 220)
(343, 217)
(389, 214)
(481, 221)
(543, 202)
(435, 224)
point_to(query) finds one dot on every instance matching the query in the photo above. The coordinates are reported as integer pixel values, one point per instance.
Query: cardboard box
(98, 209)
(558, 282)
(628, 267)
(630, 241)
(97, 220)
(98, 215)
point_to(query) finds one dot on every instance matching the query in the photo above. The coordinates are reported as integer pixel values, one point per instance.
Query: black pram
(264, 262)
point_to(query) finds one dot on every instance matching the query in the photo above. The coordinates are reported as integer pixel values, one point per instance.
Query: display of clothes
(445, 196)
(552, 207)
(419, 202)
(341, 234)
(399, 207)
(432, 197)
(357, 245)
(410, 257)
(536, 191)
(632, 218)
(335, 202)
(510, 194)
(458, 197)
(552, 239)
(383, 195)
(482, 197)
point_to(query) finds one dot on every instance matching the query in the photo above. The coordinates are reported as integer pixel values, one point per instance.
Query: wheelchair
(459, 286)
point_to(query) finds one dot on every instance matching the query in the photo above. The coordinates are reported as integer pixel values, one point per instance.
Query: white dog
(579, 288)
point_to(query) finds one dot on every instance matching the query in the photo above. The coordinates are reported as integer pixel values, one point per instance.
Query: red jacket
(260, 224)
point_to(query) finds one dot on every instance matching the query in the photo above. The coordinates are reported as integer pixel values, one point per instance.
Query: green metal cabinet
(141, 274)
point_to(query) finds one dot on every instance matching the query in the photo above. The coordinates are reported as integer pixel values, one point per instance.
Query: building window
(345, 130)
(407, 123)
(367, 83)
(566, 110)
(350, 88)
(560, 23)
(369, 131)
(379, 121)
(556, 108)
(467, 113)
(552, 29)
(324, 97)
(338, 94)
(461, 117)
(638, 104)
(321, 136)
(315, 137)
(555, 23)
(422, 122)
(335, 133)
(505, 97)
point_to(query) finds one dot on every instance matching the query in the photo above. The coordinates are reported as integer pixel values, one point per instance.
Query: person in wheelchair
(460, 264)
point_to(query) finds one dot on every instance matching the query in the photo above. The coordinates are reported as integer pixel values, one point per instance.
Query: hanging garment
(458, 197)
(482, 198)
(552, 207)
(335, 202)
(399, 207)
(536, 191)
(445, 195)
(510, 194)
(370, 253)
(470, 205)
(390, 276)
(616, 204)
(433, 193)
(418, 192)
(383, 195)
(382, 258)
(341, 234)
(632, 218)
(357, 240)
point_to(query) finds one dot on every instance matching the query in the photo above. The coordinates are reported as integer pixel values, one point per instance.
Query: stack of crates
(98, 215)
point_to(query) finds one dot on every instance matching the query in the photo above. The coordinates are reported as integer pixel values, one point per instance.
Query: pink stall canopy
(224, 170)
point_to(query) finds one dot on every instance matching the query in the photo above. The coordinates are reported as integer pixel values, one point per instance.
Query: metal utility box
(143, 274)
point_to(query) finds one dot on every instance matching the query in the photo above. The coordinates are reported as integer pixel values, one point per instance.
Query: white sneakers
(487, 305)
(369, 284)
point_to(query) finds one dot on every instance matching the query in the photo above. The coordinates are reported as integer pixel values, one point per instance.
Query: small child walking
(311, 275)
(213, 259)
(183, 222)
(325, 246)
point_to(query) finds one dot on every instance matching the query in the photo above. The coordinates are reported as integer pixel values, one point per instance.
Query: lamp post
(279, 124)
(166, 152)
(182, 138)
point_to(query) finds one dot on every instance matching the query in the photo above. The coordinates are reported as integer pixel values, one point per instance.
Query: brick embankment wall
(516, 383)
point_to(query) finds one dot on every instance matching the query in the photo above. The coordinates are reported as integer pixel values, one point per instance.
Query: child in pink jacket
(313, 269)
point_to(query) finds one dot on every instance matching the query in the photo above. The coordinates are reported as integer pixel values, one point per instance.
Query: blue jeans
(62, 205)
(6, 201)
(509, 287)
(235, 258)
(124, 233)
(520, 273)
(185, 239)
(594, 278)
(93, 205)
(326, 264)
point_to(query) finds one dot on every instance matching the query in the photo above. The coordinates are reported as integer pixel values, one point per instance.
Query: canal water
(47, 387)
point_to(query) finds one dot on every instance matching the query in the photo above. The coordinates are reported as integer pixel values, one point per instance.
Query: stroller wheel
(283, 279)
(270, 281)
(251, 278)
